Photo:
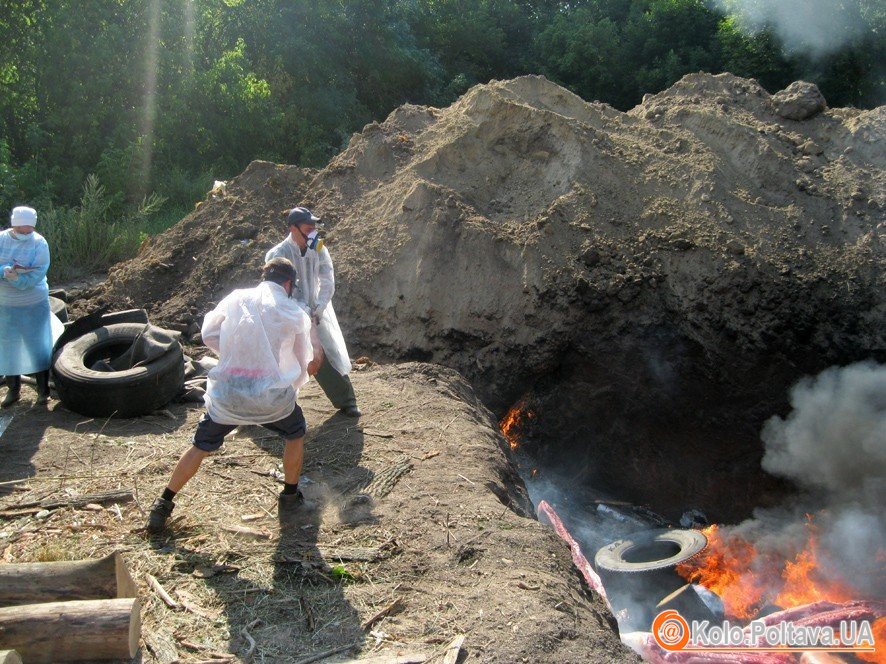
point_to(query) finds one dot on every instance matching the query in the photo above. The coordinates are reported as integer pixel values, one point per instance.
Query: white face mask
(312, 239)
(19, 236)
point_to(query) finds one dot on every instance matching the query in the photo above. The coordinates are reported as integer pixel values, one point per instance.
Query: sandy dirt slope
(652, 281)
(446, 522)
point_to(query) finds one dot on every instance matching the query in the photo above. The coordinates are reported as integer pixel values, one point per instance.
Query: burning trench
(813, 565)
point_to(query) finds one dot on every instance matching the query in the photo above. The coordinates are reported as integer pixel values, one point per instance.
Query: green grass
(95, 234)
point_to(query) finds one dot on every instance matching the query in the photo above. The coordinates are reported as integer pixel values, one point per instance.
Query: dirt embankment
(443, 533)
(651, 281)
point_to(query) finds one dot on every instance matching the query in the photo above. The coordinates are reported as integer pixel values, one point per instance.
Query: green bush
(89, 237)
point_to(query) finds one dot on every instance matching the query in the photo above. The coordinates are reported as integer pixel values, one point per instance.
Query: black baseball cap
(301, 215)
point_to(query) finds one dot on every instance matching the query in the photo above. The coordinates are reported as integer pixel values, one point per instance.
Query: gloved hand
(9, 273)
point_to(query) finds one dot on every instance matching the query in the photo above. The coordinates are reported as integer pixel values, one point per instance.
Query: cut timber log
(9, 657)
(32, 583)
(93, 629)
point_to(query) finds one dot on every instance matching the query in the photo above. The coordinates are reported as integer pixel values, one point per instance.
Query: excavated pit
(650, 283)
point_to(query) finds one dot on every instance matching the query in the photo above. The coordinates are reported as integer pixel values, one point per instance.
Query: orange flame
(724, 569)
(514, 421)
(879, 657)
(803, 583)
(747, 580)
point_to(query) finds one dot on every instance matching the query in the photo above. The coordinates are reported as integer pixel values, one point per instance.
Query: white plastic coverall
(314, 291)
(262, 338)
(26, 323)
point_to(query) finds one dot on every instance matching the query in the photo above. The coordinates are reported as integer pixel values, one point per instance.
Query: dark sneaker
(160, 511)
(293, 502)
(350, 411)
(290, 501)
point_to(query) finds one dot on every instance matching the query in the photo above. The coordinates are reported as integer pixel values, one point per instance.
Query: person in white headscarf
(314, 290)
(25, 319)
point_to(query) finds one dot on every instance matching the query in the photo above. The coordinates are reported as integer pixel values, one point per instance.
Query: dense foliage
(162, 96)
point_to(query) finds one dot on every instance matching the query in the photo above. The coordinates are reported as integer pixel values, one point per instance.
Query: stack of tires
(129, 393)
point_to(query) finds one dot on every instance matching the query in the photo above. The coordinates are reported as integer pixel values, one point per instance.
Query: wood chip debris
(377, 434)
(397, 605)
(246, 530)
(118, 496)
(326, 653)
(244, 632)
(161, 592)
(208, 571)
(408, 658)
(361, 554)
(527, 586)
(453, 649)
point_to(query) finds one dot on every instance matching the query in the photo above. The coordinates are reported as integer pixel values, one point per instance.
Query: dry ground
(444, 532)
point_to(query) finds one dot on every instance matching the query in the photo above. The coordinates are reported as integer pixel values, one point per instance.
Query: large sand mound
(651, 280)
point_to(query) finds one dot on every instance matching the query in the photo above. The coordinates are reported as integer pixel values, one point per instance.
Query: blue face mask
(20, 237)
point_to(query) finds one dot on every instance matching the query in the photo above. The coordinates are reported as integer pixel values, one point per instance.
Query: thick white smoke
(812, 27)
(835, 437)
(832, 445)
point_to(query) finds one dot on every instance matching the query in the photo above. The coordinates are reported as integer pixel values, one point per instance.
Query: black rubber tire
(59, 293)
(137, 391)
(650, 550)
(59, 308)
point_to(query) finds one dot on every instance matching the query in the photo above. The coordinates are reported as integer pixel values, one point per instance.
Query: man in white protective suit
(314, 290)
(263, 341)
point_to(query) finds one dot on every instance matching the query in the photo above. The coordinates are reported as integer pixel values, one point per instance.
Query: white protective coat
(262, 338)
(314, 291)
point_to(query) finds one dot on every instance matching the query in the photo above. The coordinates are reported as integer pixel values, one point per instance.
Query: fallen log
(72, 631)
(9, 657)
(33, 583)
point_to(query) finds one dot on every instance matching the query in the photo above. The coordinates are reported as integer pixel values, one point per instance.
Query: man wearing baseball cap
(314, 290)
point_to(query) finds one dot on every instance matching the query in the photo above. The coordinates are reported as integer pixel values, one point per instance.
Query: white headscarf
(23, 216)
